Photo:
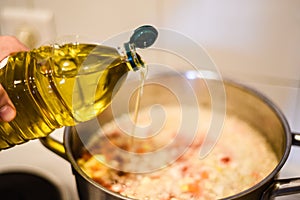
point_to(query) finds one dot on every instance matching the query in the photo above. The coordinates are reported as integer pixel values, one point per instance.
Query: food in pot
(241, 158)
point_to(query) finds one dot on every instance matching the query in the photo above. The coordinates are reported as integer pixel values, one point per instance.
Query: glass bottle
(61, 85)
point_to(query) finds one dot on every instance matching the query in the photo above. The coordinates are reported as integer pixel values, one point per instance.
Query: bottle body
(59, 86)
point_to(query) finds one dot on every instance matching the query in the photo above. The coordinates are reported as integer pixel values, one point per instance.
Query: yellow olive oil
(55, 86)
(137, 109)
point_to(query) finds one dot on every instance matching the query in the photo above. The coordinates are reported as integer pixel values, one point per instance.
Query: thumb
(7, 113)
(7, 109)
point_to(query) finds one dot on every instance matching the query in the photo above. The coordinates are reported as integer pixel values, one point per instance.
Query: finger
(9, 45)
(7, 109)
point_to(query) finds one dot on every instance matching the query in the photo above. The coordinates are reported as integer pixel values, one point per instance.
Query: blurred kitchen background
(256, 42)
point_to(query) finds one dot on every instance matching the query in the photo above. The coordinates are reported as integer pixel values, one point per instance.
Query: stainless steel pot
(242, 101)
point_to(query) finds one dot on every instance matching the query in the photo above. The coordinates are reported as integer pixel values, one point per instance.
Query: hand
(8, 45)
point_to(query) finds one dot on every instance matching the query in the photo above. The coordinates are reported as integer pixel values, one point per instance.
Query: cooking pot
(214, 93)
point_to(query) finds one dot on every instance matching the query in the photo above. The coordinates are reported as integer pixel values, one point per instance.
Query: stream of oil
(143, 74)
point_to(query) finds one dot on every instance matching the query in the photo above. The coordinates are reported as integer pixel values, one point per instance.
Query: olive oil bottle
(61, 85)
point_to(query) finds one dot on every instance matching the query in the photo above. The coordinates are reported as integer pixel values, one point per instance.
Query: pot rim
(288, 138)
(269, 178)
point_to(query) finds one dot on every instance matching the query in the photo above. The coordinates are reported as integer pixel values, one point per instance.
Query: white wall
(254, 41)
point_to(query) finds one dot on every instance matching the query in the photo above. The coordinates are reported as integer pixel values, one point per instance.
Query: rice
(240, 159)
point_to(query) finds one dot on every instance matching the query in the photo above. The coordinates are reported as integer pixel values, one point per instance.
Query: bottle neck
(133, 58)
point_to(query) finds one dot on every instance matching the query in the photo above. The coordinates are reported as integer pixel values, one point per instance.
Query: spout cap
(144, 36)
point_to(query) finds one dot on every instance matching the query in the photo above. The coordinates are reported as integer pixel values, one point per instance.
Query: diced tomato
(204, 175)
(184, 169)
(255, 175)
(194, 188)
(86, 156)
(225, 159)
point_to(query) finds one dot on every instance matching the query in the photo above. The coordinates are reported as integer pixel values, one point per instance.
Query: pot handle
(296, 139)
(282, 187)
(55, 146)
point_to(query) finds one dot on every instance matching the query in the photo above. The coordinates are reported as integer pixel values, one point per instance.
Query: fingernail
(7, 113)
